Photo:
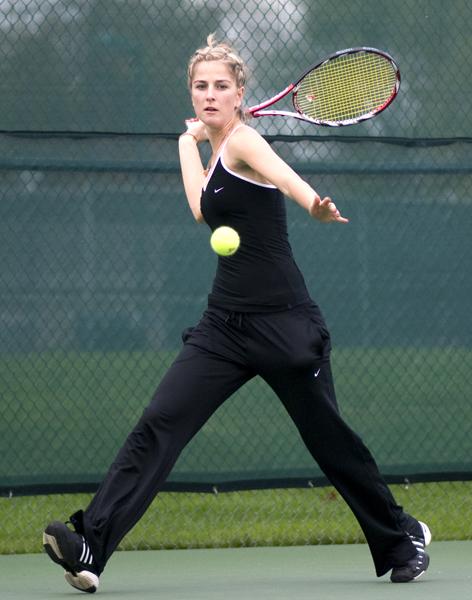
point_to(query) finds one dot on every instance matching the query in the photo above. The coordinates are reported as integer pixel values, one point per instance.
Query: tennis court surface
(309, 572)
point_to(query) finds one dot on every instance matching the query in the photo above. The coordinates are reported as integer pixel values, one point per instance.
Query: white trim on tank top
(248, 179)
(219, 156)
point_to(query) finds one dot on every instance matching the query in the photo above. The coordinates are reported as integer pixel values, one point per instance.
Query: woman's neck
(218, 136)
(217, 139)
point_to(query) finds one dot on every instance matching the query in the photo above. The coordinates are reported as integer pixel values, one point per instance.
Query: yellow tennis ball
(225, 241)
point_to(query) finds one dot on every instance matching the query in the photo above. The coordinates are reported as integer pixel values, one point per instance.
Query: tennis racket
(345, 88)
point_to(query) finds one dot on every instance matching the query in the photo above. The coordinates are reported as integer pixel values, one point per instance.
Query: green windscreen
(102, 265)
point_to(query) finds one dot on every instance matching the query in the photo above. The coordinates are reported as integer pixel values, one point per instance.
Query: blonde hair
(223, 52)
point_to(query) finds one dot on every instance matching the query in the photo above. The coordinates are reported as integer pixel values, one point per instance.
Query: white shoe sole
(426, 532)
(85, 581)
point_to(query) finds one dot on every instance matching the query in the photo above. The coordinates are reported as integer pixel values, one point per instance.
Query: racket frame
(258, 110)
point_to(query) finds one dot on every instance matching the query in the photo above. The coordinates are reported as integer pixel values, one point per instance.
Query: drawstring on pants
(235, 317)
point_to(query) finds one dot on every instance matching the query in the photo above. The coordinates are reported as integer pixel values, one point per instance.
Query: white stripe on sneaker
(86, 556)
(84, 551)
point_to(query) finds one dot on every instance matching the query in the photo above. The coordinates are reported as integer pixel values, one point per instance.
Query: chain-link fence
(103, 266)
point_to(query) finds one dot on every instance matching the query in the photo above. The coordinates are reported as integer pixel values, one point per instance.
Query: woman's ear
(239, 97)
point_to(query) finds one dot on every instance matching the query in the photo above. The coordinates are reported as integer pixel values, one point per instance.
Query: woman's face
(215, 96)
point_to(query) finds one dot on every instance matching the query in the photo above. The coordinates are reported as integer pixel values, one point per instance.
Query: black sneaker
(71, 551)
(415, 567)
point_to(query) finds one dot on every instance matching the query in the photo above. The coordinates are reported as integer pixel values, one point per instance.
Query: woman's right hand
(325, 210)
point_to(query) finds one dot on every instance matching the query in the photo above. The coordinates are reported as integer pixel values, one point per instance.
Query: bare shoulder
(244, 141)
(243, 146)
(245, 133)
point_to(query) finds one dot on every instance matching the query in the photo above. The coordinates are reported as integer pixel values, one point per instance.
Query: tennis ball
(224, 241)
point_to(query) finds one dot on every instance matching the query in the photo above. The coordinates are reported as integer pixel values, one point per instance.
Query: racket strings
(348, 87)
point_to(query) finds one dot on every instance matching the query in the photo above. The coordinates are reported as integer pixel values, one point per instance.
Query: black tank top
(262, 275)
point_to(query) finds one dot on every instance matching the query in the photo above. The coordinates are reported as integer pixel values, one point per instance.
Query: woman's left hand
(197, 129)
(325, 210)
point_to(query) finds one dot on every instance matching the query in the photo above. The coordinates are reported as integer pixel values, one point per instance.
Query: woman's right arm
(192, 170)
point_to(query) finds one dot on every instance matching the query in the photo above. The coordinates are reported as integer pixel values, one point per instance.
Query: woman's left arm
(250, 147)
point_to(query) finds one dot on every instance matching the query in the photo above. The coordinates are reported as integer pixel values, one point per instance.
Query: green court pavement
(295, 573)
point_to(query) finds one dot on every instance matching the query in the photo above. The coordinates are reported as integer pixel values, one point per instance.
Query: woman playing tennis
(260, 321)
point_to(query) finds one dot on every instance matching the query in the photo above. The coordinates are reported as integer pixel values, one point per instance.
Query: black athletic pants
(290, 351)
